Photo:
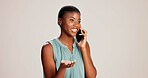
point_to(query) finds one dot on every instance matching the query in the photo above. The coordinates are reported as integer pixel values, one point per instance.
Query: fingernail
(62, 61)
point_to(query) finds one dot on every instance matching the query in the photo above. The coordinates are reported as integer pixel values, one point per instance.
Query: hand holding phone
(79, 35)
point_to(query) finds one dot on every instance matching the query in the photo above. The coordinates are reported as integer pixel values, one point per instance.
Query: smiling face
(70, 23)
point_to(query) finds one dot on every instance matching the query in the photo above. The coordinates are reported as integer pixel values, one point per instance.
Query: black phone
(79, 35)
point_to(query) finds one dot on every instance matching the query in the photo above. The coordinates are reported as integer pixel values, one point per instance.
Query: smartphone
(79, 36)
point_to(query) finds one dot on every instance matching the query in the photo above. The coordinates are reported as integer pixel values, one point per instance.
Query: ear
(59, 21)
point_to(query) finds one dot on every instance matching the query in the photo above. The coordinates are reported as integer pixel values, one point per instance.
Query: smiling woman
(64, 57)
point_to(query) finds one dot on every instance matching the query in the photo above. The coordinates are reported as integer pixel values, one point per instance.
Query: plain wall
(117, 33)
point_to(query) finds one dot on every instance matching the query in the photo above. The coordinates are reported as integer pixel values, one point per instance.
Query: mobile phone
(79, 35)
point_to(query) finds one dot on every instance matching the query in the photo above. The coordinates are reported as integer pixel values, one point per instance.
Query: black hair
(65, 9)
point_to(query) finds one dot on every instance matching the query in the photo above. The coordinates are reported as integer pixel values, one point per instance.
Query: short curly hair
(68, 8)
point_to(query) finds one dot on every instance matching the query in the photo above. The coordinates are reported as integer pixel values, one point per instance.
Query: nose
(77, 24)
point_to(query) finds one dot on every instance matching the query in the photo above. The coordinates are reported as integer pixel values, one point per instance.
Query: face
(70, 23)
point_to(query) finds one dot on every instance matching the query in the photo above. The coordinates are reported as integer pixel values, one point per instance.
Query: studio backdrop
(117, 33)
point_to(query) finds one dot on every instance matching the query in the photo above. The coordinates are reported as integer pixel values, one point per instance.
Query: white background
(117, 33)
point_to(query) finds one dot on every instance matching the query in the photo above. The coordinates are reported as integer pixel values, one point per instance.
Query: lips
(74, 30)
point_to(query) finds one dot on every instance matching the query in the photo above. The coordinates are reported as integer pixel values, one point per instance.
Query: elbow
(93, 74)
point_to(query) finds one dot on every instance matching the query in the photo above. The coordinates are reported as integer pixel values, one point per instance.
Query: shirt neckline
(74, 45)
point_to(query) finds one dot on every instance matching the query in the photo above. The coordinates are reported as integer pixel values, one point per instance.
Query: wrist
(62, 67)
(60, 72)
(83, 49)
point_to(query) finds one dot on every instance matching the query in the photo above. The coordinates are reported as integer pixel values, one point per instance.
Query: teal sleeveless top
(61, 52)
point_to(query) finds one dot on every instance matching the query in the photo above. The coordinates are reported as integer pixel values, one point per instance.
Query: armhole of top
(53, 48)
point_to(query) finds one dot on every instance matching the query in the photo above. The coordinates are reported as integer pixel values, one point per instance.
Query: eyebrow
(75, 18)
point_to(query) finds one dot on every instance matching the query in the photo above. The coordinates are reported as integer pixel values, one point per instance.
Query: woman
(64, 57)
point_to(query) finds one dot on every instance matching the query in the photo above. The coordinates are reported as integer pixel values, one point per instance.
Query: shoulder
(47, 50)
(47, 46)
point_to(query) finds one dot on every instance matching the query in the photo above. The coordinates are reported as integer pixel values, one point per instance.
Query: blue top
(61, 52)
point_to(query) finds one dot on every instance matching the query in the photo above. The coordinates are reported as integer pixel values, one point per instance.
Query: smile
(74, 30)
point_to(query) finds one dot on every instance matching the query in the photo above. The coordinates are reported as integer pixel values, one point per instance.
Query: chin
(73, 36)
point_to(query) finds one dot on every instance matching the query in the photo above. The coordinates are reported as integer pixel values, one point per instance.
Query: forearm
(60, 73)
(90, 70)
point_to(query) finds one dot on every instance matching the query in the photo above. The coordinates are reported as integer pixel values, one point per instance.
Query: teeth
(74, 30)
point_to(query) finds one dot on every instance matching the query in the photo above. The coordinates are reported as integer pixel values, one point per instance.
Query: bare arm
(90, 69)
(49, 66)
(48, 61)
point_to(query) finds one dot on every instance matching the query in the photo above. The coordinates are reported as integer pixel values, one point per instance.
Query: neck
(68, 41)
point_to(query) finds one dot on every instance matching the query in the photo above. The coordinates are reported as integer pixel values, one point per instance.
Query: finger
(63, 61)
(68, 65)
(73, 62)
(69, 62)
(83, 30)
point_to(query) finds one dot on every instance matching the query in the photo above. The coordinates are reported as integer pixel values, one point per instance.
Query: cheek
(70, 24)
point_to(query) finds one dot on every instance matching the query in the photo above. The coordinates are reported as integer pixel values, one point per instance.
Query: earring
(60, 23)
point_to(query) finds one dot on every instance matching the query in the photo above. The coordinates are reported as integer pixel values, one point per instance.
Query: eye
(72, 20)
(79, 21)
